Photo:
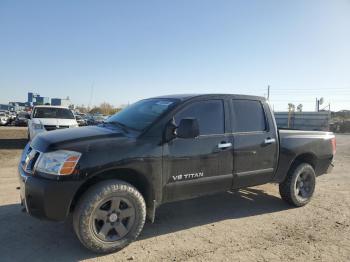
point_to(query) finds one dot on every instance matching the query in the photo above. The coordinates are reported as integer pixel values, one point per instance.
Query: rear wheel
(109, 216)
(298, 187)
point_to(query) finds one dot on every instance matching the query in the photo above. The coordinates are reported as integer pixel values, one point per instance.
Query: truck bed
(317, 147)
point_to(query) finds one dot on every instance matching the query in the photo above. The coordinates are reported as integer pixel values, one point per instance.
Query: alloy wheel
(113, 219)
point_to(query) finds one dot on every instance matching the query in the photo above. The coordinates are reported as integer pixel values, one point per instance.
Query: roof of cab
(183, 97)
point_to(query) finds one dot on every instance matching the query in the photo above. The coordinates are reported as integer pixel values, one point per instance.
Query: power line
(311, 89)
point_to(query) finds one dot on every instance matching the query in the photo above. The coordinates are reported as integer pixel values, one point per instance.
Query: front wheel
(298, 187)
(109, 216)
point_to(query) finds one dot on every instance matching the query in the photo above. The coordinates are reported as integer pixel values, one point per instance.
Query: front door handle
(224, 145)
(270, 140)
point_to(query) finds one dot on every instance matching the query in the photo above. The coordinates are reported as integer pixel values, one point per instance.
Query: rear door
(254, 141)
(204, 164)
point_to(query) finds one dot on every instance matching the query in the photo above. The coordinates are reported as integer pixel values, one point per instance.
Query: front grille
(53, 127)
(29, 160)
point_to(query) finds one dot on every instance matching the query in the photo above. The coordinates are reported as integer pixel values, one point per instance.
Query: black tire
(298, 187)
(109, 216)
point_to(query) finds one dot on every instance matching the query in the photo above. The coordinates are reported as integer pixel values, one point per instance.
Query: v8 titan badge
(190, 176)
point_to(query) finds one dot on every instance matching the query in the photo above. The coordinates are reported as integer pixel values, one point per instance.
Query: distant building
(19, 106)
(5, 107)
(56, 101)
(42, 100)
(32, 97)
(62, 102)
(35, 99)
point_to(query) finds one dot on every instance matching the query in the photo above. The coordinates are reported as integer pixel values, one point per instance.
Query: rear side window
(209, 114)
(248, 116)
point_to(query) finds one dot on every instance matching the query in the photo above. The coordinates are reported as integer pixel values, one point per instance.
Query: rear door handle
(224, 145)
(270, 140)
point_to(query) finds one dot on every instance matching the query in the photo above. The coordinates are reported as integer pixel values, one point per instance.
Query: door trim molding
(200, 180)
(255, 172)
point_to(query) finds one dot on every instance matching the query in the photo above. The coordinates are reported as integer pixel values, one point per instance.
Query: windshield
(141, 114)
(22, 114)
(52, 112)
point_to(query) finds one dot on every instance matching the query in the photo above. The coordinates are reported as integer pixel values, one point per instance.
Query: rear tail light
(334, 145)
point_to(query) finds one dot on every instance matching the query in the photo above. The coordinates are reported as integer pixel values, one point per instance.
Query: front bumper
(46, 198)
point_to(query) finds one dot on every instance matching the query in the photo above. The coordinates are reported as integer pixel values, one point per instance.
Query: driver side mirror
(188, 128)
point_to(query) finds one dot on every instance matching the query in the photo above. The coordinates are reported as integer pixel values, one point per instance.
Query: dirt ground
(252, 225)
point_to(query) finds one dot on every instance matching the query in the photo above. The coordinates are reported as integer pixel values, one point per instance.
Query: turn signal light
(69, 165)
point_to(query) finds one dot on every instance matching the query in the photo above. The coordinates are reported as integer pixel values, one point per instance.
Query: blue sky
(128, 50)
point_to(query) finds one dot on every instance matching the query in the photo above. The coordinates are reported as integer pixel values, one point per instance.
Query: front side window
(248, 116)
(52, 112)
(209, 114)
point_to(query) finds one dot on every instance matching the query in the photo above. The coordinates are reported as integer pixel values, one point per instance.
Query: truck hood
(79, 139)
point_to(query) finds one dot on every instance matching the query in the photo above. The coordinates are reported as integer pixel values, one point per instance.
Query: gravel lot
(252, 225)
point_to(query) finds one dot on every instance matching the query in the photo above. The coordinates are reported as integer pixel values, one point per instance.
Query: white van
(47, 118)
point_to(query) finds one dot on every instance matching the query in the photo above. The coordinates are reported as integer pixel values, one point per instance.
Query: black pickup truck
(112, 176)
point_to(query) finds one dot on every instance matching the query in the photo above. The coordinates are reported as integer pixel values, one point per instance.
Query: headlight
(37, 126)
(61, 162)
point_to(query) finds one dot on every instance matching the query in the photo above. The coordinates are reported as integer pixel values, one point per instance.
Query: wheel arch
(308, 158)
(136, 179)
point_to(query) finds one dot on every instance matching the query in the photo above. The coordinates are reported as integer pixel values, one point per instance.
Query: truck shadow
(19, 143)
(23, 237)
(182, 215)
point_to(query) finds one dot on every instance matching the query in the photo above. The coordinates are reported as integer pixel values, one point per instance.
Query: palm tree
(300, 108)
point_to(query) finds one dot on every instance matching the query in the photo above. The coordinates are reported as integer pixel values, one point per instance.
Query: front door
(201, 165)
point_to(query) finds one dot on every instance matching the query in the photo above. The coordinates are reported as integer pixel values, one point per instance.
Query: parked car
(11, 117)
(4, 119)
(22, 119)
(48, 118)
(93, 120)
(80, 120)
(164, 149)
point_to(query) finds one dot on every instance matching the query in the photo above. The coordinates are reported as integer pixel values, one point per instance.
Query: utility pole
(318, 103)
(268, 92)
